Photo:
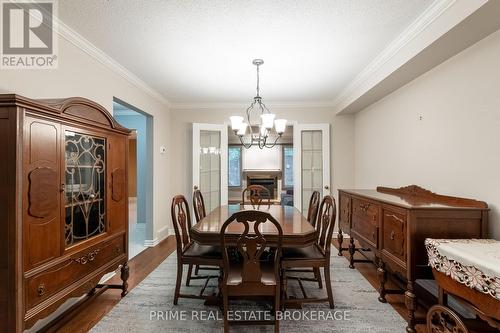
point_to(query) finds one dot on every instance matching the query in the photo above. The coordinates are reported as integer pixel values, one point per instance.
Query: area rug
(149, 307)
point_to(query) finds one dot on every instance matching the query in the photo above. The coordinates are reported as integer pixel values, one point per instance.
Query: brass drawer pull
(41, 289)
(392, 234)
(364, 207)
(395, 217)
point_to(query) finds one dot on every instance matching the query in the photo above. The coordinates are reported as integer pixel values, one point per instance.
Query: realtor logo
(28, 34)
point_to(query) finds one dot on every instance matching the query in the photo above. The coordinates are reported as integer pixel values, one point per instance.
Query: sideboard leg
(340, 239)
(352, 250)
(411, 306)
(124, 276)
(382, 277)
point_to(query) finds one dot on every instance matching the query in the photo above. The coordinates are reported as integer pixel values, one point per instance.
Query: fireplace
(267, 178)
(270, 183)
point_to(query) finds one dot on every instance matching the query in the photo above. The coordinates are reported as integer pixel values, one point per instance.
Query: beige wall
(455, 148)
(80, 75)
(341, 135)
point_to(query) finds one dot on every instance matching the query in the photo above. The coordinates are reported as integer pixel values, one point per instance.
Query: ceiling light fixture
(266, 124)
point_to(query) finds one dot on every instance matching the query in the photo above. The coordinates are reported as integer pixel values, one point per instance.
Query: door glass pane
(210, 163)
(288, 167)
(85, 187)
(312, 165)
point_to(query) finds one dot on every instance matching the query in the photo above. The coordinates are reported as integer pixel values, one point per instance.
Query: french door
(210, 163)
(311, 144)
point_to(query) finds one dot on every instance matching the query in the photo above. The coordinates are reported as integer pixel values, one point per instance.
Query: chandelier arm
(274, 143)
(265, 107)
(249, 109)
(246, 145)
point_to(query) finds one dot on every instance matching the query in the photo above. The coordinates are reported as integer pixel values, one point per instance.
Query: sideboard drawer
(366, 211)
(394, 233)
(45, 284)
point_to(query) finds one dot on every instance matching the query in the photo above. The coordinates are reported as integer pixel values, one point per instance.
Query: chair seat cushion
(297, 253)
(203, 251)
(234, 277)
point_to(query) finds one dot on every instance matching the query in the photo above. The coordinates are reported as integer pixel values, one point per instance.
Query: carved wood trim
(416, 195)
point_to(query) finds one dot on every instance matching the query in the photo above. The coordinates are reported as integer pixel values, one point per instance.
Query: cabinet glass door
(210, 163)
(85, 173)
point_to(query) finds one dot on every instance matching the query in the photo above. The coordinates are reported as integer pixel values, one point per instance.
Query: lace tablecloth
(472, 262)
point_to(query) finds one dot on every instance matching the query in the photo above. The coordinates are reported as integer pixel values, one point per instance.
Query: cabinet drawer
(345, 213)
(394, 234)
(44, 284)
(366, 211)
(365, 229)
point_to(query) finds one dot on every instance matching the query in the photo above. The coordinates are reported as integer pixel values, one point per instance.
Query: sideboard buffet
(392, 224)
(63, 205)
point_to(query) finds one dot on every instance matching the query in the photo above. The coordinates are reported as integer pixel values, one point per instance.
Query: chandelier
(239, 125)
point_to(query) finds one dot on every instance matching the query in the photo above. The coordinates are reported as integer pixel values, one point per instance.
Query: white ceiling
(201, 51)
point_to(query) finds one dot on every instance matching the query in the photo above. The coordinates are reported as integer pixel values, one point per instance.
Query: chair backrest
(251, 246)
(256, 195)
(314, 202)
(181, 220)
(198, 205)
(325, 223)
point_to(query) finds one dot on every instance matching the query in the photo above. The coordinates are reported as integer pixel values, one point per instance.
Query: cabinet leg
(352, 250)
(382, 278)
(411, 306)
(340, 239)
(124, 276)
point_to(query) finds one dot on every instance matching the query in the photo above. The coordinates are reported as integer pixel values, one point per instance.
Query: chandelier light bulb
(280, 126)
(267, 120)
(242, 129)
(236, 122)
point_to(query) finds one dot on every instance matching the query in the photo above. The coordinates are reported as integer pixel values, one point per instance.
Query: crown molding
(242, 105)
(434, 11)
(93, 51)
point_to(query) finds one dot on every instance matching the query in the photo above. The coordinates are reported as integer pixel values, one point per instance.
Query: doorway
(140, 173)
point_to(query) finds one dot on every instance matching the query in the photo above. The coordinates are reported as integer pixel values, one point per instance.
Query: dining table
(297, 231)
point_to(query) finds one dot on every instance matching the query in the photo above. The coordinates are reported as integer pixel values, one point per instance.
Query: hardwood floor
(144, 263)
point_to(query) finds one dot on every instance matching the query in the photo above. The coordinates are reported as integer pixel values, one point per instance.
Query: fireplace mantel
(259, 173)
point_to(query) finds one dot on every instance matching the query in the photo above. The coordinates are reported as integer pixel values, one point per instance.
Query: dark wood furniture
(189, 252)
(297, 231)
(63, 205)
(250, 275)
(257, 194)
(393, 223)
(198, 205)
(315, 256)
(440, 318)
(312, 213)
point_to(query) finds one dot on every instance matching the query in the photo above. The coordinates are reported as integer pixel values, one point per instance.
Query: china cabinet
(63, 205)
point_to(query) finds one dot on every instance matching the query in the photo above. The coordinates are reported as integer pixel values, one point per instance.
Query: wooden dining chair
(198, 205)
(189, 252)
(199, 213)
(314, 256)
(257, 194)
(251, 275)
(312, 211)
(312, 214)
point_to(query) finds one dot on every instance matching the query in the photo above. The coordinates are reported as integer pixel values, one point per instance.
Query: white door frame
(222, 128)
(297, 159)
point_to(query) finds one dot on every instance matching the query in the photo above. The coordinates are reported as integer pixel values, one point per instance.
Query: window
(234, 160)
(287, 167)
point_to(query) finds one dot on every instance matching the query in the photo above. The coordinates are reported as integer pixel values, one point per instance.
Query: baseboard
(161, 235)
(151, 242)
